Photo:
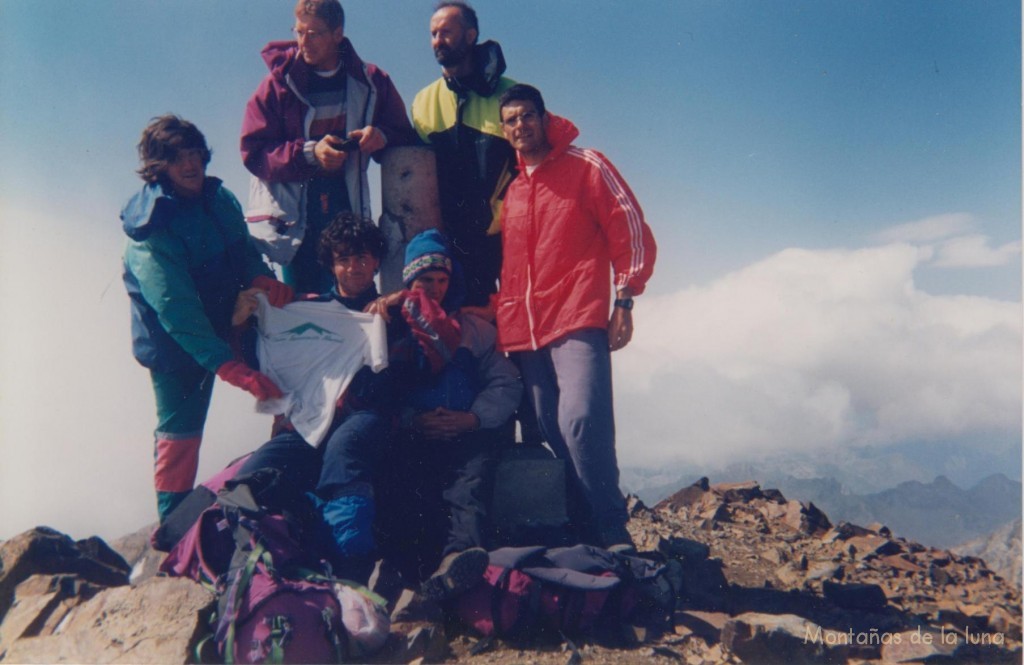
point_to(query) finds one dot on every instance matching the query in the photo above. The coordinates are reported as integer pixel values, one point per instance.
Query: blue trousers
(339, 476)
(347, 457)
(570, 384)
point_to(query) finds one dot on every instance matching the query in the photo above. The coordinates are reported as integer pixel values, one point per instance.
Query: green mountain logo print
(307, 331)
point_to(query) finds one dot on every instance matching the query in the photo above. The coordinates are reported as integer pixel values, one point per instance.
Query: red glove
(242, 376)
(444, 335)
(278, 293)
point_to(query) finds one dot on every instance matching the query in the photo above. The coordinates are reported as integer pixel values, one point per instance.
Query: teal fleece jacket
(184, 264)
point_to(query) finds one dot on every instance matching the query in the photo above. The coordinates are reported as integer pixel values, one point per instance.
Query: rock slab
(157, 622)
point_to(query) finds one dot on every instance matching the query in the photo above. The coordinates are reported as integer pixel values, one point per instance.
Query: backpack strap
(280, 630)
(497, 591)
(339, 638)
(526, 617)
(237, 496)
(200, 653)
(230, 604)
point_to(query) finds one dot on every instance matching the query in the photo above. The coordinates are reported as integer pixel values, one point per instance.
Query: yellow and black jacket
(461, 120)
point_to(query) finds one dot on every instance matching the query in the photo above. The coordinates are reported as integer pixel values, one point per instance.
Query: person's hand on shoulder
(381, 304)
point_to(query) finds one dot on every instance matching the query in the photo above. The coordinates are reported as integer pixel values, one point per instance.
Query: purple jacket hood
(283, 59)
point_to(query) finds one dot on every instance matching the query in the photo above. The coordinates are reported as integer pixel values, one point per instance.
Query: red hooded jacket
(565, 229)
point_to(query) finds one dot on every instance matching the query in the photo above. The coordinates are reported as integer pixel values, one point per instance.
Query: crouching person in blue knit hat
(453, 420)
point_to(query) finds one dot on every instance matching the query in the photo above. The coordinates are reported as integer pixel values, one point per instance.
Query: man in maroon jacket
(308, 133)
(568, 222)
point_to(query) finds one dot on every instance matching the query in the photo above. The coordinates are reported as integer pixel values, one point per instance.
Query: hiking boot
(412, 607)
(458, 572)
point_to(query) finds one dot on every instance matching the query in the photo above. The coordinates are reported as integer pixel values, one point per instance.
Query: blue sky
(827, 181)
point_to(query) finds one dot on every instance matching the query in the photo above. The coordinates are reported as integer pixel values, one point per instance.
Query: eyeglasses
(527, 117)
(309, 34)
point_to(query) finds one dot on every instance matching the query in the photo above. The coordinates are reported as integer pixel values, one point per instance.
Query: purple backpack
(524, 592)
(568, 591)
(264, 617)
(204, 553)
(222, 518)
(277, 600)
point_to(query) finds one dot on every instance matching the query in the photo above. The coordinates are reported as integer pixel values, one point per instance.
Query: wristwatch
(624, 303)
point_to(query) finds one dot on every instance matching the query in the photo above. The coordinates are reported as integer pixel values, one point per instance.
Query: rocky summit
(764, 580)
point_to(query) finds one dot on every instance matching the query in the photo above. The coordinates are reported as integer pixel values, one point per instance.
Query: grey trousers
(570, 384)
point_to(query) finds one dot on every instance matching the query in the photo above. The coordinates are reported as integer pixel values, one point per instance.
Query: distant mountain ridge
(939, 513)
(861, 470)
(914, 488)
(1001, 550)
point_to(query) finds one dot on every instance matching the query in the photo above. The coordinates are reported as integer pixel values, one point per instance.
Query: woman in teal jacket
(187, 262)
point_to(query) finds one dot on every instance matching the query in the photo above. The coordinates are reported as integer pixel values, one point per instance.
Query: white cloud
(810, 349)
(947, 241)
(929, 229)
(974, 251)
(76, 411)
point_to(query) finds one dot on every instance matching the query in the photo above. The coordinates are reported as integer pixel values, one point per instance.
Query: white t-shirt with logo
(311, 350)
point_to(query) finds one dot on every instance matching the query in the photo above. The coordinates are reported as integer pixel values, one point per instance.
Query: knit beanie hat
(426, 251)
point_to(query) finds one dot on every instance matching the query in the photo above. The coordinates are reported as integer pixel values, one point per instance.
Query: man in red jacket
(569, 219)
